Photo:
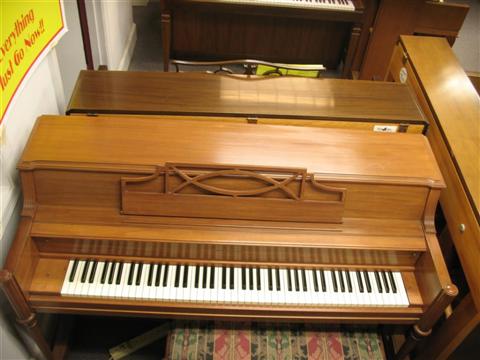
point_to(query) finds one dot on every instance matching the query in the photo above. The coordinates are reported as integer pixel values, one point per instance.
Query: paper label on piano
(403, 75)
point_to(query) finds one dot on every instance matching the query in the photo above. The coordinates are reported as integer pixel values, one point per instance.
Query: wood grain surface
(141, 141)
(120, 92)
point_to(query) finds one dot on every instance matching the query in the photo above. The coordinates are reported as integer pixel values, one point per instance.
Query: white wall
(37, 97)
(119, 32)
(467, 46)
(70, 53)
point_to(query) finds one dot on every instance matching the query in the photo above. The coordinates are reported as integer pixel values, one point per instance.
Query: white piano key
(264, 295)
(66, 282)
(321, 295)
(311, 297)
(283, 286)
(150, 290)
(330, 296)
(238, 285)
(346, 295)
(83, 286)
(170, 288)
(227, 297)
(189, 293)
(123, 280)
(143, 289)
(95, 288)
(401, 288)
(219, 285)
(357, 295)
(123, 293)
(200, 293)
(160, 289)
(248, 291)
(274, 293)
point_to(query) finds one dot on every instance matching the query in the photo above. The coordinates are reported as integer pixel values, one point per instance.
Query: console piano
(258, 100)
(288, 31)
(452, 106)
(132, 216)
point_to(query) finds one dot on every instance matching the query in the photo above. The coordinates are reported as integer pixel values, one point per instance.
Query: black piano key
(270, 279)
(377, 279)
(224, 277)
(289, 276)
(104, 273)
(250, 278)
(277, 278)
(204, 279)
(73, 271)
(150, 275)
(360, 282)
(367, 282)
(244, 278)
(130, 274)
(322, 280)
(196, 269)
(232, 278)
(259, 284)
(158, 275)
(112, 273)
(315, 280)
(385, 282)
(177, 276)
(185, 276)
(297, 280)
(165, 275)
(85, 271)
(212, 277)
(119, 273)
(304, 279)
(334, 281)
(342, 283)
(349, 281)
(139, 274)
(92, 273)
(392, 282)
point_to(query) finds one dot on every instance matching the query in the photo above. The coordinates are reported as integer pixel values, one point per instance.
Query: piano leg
(26, 317)
(424, 326)
(351, 50)
(166, 39)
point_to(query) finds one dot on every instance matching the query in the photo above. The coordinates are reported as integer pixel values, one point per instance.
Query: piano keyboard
(223, 284)
(343, 5)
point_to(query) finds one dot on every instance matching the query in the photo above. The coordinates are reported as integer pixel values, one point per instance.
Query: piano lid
(130, 140)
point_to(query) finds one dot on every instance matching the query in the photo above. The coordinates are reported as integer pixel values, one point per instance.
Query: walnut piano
(290, 31)
(130, 216)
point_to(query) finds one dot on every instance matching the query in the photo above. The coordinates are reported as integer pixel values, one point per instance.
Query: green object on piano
(272, 71)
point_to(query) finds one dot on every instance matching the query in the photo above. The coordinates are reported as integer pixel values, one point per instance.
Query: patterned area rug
(222, 341)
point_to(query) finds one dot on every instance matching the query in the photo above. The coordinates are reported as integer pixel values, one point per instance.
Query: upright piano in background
(289, 31)
(452, 106)
(296, 101)
(129, 216)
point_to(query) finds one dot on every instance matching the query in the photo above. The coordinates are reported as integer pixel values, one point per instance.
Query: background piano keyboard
(223, 284)
(342, 5)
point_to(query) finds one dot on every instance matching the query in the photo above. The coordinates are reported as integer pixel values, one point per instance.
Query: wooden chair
(253, 67)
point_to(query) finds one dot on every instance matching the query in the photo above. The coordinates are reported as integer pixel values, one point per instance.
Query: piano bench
(219, 340)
